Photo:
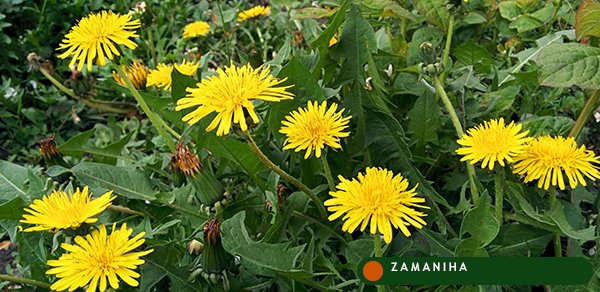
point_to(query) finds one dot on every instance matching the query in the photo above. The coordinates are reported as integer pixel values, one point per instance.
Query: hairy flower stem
(378, 253)
(266, 161)
(557, 244)
(459, 131)
(72, 94)
(327, 171)
(446, 54)
(26, 281)
(156, 120)
(125, 210)
(587, 110)
(499, 193)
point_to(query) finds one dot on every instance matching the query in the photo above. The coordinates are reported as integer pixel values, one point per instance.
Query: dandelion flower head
(230, 93)
(99, 260)
(61, 210)
(379, 197)
(96, 36)
(492, 141)
(253, 12)
(313, 127)
(546, 158)
(137, 73)
(194, 29)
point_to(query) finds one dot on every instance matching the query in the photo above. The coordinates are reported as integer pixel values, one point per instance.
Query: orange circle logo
(373, 271)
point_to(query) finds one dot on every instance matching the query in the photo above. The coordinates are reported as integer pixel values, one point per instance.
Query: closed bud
(427, 53)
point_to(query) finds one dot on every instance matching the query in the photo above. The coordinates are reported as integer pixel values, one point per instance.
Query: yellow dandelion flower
(99, 260)
(161, 76)
(194, 29)
(137, 73)
(253, 12)
(60, 210)
(95, 37)
(545, 159)
(230, 94)
(492, 141)
(380, 197)
(313, 127)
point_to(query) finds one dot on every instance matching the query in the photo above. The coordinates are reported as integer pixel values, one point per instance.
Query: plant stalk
(266, 161)
(72, 94)
(26, 281)
(151, 45)
(587, 110)
(327, 171)
(154, 119)
(557, 243)
(459, 131)
(499, 193)
(446, 54)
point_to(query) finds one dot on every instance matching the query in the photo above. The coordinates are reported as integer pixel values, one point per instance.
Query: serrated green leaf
(338, 18)
(588, 19)
(557, 214)
(279, 257)
(162, 262)
(179, 83)
(73, 147)
(473, 54)
(117, 179)
(437, 245)
(525, 23)
(470, 247)
(425, 119)
(548, 125)
(520, 240)
(310, 13)
(435, 11)
(480, 222)
(12, 210)
(572, 64)
(509, 10)
(388, 8)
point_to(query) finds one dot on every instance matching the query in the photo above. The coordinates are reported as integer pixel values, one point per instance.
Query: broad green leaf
(33, 253)
(473, 54)
(496, 102)
(279, 257)
(238, 152)
(588, 19)
(435, 11)
(572, 64)
(123, 181)
(13, 179)
(557, 214)
(389, 149)
(509, 10)
(425, 119)
(525, 23)
(480, 222)
(163, 262)
(76, 147)
(358, 249)
(520, 240)
(470, 247)
(474, 18)
(547, 125)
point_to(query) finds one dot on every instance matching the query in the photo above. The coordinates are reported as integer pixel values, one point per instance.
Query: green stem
(557, 243)
(459, 131)
(154, 119)
(72, 94)
(403, 26)
(499, 193)
(378, 253)
(530, 221)
(151, 45)
(587, 110)
(286, 176)
(26, 281)
(327, 171)
(446, 54)
(554, 14)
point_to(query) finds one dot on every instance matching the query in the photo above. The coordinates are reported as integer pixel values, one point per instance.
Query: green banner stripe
(478, 271)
